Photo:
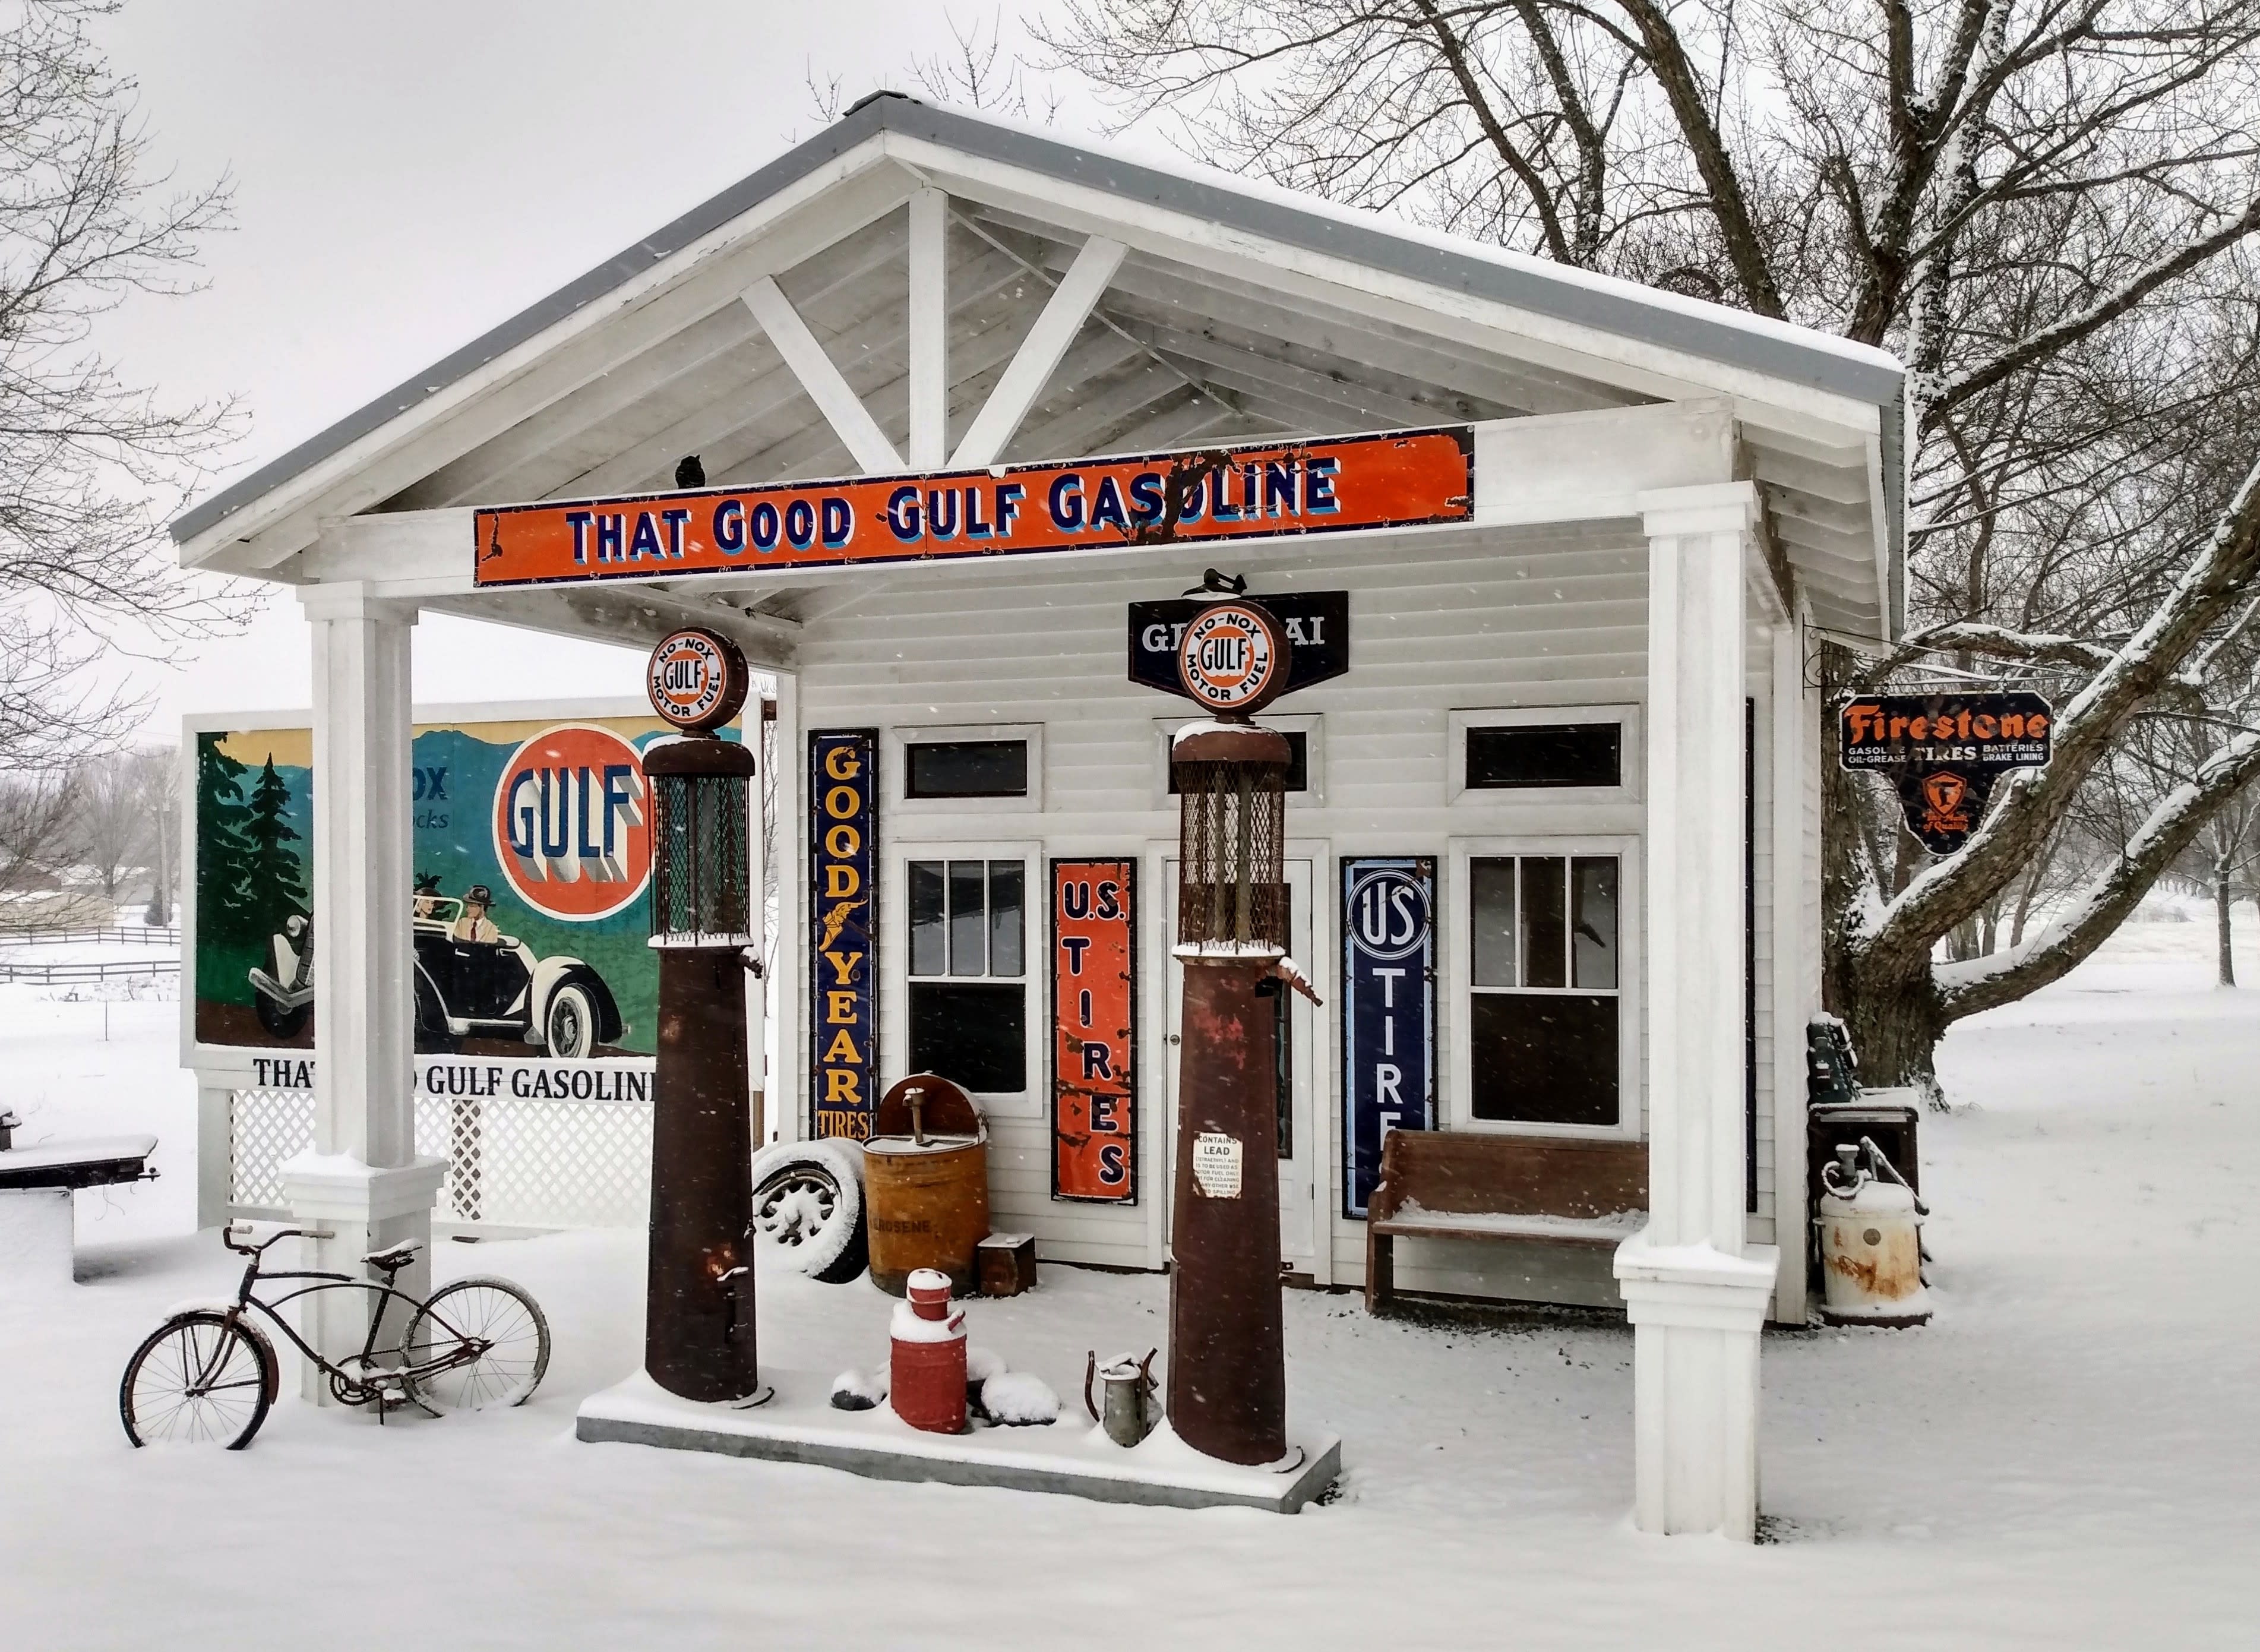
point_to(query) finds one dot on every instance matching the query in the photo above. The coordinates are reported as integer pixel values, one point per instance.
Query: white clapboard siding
(1507, 618)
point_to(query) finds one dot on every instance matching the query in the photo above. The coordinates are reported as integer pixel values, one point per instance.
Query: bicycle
(208, 1375)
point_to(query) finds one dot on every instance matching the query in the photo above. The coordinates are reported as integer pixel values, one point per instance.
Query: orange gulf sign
(1222, 493)
(572, 823)
(1094, 1024)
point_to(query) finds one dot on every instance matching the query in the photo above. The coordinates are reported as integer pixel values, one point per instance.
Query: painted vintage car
(464, 989)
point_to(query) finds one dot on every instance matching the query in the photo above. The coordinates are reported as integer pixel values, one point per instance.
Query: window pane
(973, 1034)
(1006, 929)
(927, 952)
(1593, 921)
(1492, 923)
(1545, 754)
(1550, 1059)
(969, 923)
(967, 768)
(1543, 962)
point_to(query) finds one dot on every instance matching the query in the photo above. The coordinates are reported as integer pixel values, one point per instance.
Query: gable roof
(1778, 352)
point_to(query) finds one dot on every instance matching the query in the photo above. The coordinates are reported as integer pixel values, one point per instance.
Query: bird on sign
(690, 472)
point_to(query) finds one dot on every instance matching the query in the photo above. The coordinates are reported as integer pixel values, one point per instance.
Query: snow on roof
(1708, 330)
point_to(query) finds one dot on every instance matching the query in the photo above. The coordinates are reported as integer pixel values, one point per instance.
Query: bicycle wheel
(494, 1334)
(198, 1379)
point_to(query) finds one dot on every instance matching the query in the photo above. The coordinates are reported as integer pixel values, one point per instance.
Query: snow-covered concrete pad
(800, 1424)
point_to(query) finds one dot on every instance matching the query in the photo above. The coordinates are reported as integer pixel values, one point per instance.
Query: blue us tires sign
(1388, 1010)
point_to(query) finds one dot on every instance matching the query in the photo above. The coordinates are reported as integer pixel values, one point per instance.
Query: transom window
(966, 769)
(1544, 1001)
(968, 975)
(1533, 755)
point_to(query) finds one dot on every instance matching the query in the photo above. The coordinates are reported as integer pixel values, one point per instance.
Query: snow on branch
(2032, 801)
(2033, 647)
(2002, 977)
(2039, 347)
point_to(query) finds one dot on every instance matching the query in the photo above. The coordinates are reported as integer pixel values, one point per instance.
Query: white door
(1300, 1226)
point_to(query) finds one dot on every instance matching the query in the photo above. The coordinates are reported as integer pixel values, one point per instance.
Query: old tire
(808, 1204)
(568, 1022)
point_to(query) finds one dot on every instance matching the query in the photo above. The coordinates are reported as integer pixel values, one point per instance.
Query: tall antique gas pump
(706, 924)
(1227, 1382)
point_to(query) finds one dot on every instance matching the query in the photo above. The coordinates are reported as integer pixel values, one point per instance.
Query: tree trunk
(2223, 903)
(1895, 1024)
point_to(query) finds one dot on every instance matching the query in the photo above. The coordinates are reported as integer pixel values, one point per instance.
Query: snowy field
(2068, 1457)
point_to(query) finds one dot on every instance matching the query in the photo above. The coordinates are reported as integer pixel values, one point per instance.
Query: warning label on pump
(1216, 1165)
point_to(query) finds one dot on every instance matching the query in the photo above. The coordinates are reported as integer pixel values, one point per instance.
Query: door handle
(1174, 1039)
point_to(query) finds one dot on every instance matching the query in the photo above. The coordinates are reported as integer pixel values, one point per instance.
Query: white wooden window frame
(895, 920)
(896, 768)
(1456, 979)
(1631, 757)
(1310, 726)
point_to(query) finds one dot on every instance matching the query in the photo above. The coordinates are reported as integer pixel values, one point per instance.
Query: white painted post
(362, 1182)
(1695, 1290)
(1796, 959)
(215, 1147)
(929, 329)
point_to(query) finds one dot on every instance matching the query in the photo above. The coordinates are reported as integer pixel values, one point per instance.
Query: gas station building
(1551, 548)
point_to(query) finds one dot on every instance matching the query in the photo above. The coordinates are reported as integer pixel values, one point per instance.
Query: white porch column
(215, 1148)
(1695, 1290)
(362, 1182)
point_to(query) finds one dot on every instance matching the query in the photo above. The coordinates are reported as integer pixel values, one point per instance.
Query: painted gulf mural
(532, 859)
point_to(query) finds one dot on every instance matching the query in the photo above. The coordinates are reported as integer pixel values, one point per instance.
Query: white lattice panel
(511, 1162)
(266, 1128)
(522, 1163)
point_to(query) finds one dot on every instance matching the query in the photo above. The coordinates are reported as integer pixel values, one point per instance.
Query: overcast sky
(409, 173)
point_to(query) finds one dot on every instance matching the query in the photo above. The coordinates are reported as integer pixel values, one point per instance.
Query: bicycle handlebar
(228, 1236)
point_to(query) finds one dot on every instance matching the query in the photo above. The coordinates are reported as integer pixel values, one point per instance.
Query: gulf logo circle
(1229, 659)
(572, 823)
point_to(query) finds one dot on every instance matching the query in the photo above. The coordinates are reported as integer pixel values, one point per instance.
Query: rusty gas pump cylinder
(925, 1378)
(926, 1184)
(1227, 1382)
(699, 1305)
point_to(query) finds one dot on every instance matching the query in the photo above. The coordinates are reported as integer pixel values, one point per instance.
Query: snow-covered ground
(2065, 1458)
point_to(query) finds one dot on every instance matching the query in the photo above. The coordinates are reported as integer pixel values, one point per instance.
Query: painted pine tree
(223, 902)
(275, 884)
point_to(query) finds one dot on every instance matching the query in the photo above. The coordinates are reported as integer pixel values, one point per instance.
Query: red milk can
(926, 1386)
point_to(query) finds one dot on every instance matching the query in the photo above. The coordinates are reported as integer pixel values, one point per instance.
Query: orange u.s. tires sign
(1094, 1031)
(1399, 479)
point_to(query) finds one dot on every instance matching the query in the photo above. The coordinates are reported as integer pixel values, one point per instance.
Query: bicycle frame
(353, 1389)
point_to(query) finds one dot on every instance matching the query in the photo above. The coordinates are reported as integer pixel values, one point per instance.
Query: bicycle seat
(393, 1258)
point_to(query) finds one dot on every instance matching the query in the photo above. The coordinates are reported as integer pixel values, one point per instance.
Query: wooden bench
(1521, 1190)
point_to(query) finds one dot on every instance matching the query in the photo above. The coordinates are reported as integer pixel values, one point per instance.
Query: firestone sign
(1944, 752)
(1400, 479)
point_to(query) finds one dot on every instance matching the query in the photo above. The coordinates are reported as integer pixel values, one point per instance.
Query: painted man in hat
(475, 924)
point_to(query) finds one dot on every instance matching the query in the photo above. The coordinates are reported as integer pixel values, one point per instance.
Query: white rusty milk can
(1870, 1253)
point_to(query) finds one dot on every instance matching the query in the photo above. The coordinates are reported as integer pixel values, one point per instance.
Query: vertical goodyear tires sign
(1094, 1024)
(1389, 1013)
(843, 988)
